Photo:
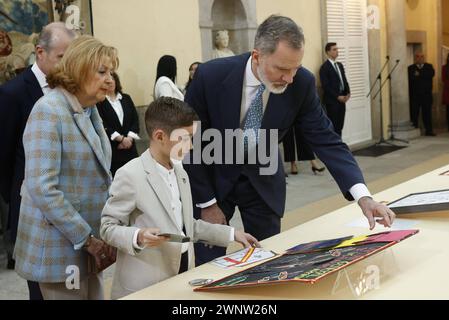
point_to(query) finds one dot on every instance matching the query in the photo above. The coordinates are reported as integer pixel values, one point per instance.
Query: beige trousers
(91, 288)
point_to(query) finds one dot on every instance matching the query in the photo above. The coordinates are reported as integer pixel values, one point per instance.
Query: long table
(416, 268)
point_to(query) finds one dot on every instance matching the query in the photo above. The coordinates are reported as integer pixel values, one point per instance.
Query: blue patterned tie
(253, 119)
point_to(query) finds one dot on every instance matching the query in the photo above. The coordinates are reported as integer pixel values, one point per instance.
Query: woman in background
(192, 70)
(165, 79)
(121, 122)
(303, 150)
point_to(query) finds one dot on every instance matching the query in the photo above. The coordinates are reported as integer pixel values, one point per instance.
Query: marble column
(375, 57)
(397, 49)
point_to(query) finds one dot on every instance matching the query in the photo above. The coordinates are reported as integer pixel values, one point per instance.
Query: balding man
(17, 98)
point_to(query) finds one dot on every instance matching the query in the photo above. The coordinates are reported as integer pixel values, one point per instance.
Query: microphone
(397, 61)
(388, 57)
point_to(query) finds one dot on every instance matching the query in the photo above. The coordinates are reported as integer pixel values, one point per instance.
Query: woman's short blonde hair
(80, 61)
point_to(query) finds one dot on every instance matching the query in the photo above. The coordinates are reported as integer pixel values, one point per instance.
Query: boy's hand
(148, 238)
(245, 239)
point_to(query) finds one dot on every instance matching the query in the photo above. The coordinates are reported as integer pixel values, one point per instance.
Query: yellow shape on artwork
(351, 242)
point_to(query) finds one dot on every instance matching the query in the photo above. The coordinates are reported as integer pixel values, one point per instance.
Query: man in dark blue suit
(335, 86)
(264, 89)
(17, 98)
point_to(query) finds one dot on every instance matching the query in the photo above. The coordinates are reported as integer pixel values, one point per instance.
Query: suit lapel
(85, 124)
(184, 191)
(126, 114)
(104, 140)
(231, 95)
(278, 107)
(113, 115)
(33, 87)
(157, 183)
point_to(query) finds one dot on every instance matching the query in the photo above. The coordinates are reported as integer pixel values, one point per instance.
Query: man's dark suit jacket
(330, 82)
(17, 98)
(216, 93)
(420, 82)
(112, 124)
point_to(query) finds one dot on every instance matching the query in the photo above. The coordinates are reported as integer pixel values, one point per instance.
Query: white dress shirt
(41, 78)
(118, 108)
(250, 85)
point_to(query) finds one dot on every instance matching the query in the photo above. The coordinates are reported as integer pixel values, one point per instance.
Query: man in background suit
(17, 98)
(264, 89)
(335, 87)
(420, 77)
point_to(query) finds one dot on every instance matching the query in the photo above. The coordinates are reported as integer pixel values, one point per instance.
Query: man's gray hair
(49, 34)
(276, 28)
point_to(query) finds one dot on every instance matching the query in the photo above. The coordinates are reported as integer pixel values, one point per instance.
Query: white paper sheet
(234, 259)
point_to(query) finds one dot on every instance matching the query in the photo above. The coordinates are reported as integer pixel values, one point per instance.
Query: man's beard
(270, 86)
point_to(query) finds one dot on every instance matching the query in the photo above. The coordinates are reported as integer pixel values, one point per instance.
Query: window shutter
(346, 25)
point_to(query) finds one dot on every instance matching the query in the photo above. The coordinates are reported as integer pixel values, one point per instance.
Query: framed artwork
(437, 200)
(21, 21)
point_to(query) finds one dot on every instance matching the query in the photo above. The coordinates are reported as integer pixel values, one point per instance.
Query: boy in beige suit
(151, 195)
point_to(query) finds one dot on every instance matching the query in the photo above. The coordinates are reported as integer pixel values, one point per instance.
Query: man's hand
(372, 209)
(347, 97)
(148, 237)
(245, 239)
(213, 214)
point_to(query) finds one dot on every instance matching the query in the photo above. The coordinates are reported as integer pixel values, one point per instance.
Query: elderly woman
(67, 161)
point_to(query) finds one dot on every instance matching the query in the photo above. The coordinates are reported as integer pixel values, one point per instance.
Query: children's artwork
(243, 257)
(421, 202)
(310, 262)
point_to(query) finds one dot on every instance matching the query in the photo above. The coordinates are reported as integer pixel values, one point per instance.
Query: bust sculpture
(221, 45)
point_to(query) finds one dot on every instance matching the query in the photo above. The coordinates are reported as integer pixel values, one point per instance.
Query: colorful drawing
(310, 262)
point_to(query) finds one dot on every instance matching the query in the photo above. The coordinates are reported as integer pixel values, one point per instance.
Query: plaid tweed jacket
(67, 176)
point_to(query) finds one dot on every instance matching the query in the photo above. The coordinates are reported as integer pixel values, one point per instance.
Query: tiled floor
(302, 189)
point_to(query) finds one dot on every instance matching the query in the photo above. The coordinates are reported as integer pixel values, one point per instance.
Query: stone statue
(221, 45)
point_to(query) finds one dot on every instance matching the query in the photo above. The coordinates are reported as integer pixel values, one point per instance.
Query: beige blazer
(139, 198)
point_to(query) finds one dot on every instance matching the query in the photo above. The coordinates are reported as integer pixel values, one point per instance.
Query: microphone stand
(392, 137)
(379, 79)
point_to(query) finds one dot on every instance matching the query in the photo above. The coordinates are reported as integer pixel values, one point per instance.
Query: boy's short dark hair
(329, 46)
(168, 114)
